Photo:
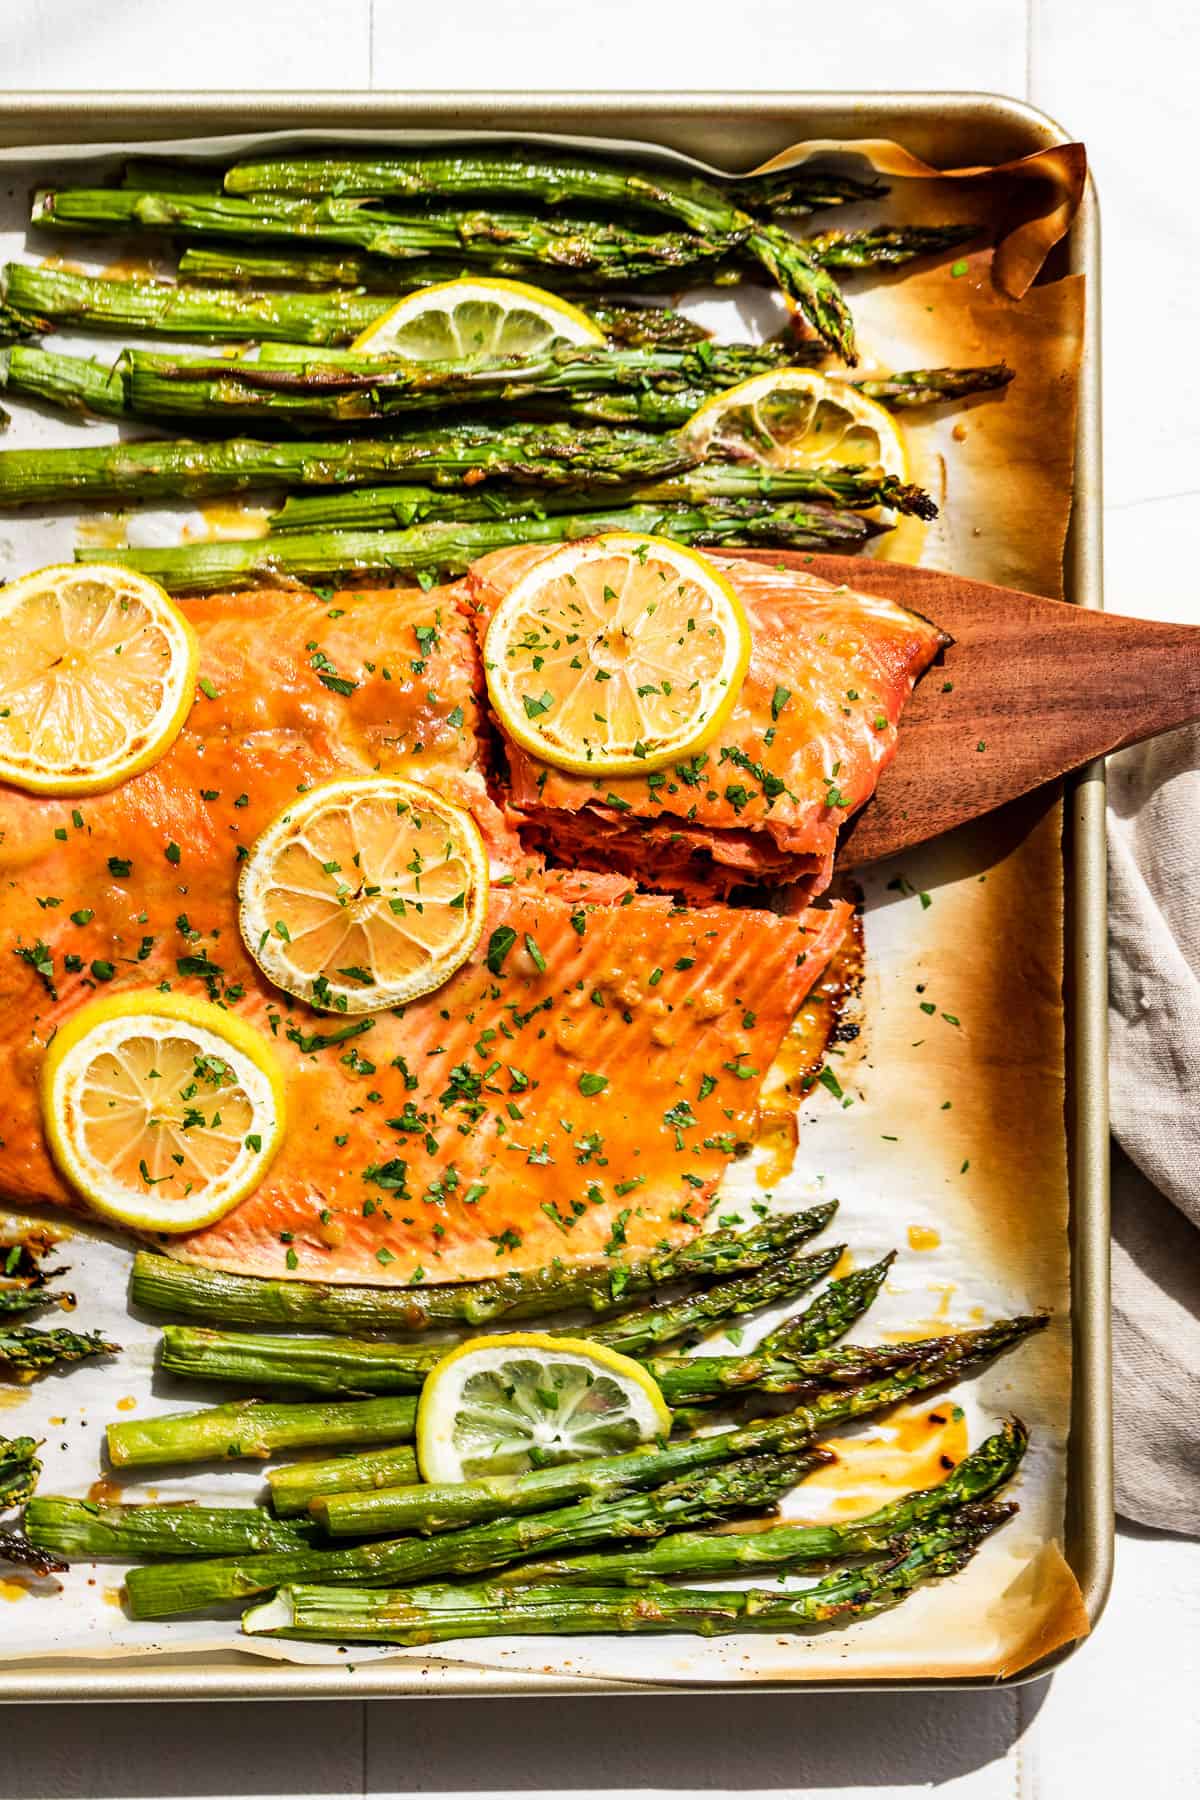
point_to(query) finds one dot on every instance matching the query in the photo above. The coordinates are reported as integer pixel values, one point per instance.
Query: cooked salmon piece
(814, 727)
(584, 1089)
(582, 1081)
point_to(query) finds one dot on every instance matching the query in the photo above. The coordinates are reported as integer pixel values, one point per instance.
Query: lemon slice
(97, 672)
(617, 655)
(364, 893)
(163, 1111)
(457, 320)
(797, 419)
(501, 1405)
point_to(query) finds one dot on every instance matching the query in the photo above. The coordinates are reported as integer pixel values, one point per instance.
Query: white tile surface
(163, 44)
(1122, 1718)
(1117, 88)
(758, 44)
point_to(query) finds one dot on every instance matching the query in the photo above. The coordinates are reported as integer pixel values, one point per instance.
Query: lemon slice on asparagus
(161, 1110)
(364, 894)
(797, 419)
(97, 672)
(617, 655)
(457, 320)
(502, 1405)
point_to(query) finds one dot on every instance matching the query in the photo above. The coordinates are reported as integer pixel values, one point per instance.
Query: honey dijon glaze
(917, 1447)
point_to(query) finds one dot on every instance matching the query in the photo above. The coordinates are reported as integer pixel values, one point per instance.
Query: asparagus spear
(803, 189)
(26, 1297)
(96, 303)
(665, 409)
(451, 456)
(646, 327)
(16, 323)
(601, 1288)
(15, 1547)
(160, 1590)
(243, 266)
(446, 1506)
(361, 1366)
(19, 1470)
(356, 1367)
(76, 383)
(700, 206)
(256, 1428)
(296, 266)
(712, 1556)
(437, 1614)
(23, 1347)
(83, 384)
(219, 315)
(831, 1314)
(532, 172)
(442, 550)
(781, 193)
(928, 387)
(81, 1528)
(30, 1292)
(500, 243)
(695, 1315)
(295, 1485)
(692, 1380)
(386, 508)
(351, 1366)
(297, 386)
(431, 1508)
(883, 246)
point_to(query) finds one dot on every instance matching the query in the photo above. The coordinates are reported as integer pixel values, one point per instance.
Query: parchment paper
(949, 1144)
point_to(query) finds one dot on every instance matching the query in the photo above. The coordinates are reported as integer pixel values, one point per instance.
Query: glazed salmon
(582, 1081)
(814, 727)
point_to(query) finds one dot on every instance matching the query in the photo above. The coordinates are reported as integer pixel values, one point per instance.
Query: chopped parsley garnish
(499, 945)
(41, 961)
(829, 1080)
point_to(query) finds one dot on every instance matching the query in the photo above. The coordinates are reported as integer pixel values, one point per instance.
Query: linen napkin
(1154, 1017)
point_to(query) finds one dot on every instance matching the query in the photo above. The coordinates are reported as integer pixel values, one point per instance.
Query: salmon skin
(814, 727)
(580, 1083)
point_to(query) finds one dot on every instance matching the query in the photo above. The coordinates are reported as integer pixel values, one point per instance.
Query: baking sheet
(999, 1223)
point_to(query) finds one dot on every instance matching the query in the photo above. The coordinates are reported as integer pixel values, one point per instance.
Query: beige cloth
(1154, 1012)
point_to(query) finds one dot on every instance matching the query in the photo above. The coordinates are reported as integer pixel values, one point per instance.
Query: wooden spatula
(1036, 688)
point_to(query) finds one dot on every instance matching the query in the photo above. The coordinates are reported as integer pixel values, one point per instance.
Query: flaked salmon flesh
(814, 727)
(586, 1091)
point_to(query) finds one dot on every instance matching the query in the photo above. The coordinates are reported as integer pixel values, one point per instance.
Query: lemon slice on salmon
(364, 894)
(457, 320)
(797, 419)
(97, 672)
(161, 1110)
(502, 1405)
(617, 655)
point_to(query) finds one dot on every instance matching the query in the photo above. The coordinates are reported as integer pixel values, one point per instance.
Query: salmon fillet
(814, 727)
(459, 1136)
